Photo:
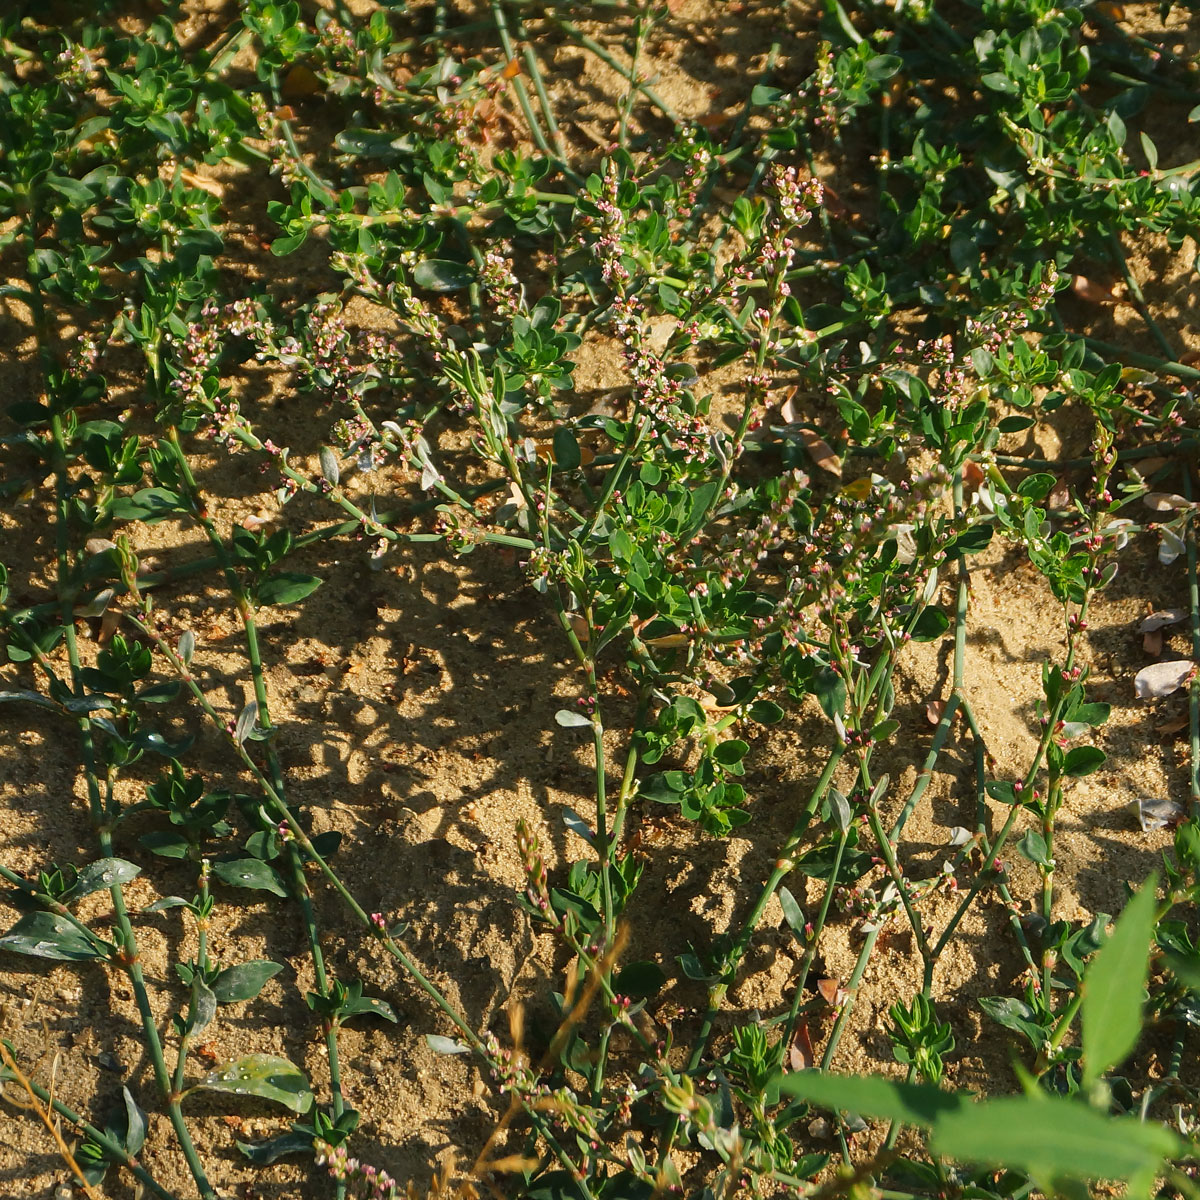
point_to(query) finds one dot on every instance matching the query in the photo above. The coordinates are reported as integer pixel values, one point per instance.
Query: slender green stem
(112, 1146)
(1122, 262)
(588, 43)
(843, 1019)
(1193, 690)
(1137, 359)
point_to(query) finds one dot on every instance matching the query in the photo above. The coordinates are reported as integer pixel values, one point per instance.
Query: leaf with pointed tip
(568, 718)
(873, 1096)
(265, 1153)
(368, 1006)
(30, 698)
(266, 1076)
(841, 809)
(578, 826)
(250, 873)
(287, 587)
(792, 912)
(245, 722)
(444, 1045)
(1052, 1137)
(135, 1125)
(152, 740)
(330, 471)
(186, 647)
(203, 1009)
(442, 275)
(1114, 986)
(101, 874)
(166, 843)
(244, 981)
(47, 935)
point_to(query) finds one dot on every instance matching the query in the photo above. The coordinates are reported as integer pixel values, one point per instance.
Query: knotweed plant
(824, 362)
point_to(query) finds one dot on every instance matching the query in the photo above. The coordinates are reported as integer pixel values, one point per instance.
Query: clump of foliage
(820, 383)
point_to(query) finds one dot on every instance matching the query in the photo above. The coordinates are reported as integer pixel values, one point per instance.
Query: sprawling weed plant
(809, 445)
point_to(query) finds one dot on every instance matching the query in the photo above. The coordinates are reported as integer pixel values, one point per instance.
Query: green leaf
(1051, 1137)
(765, 712)
(1016, 1015)
(166, 843)
(930, 625)
(286, 587)
(244, 981)
(246, 721)
(999, 82)
(640, 979)
(27, 696)
(1150, 151)
(1083, 760)
(566, 450)
(830, 691)
(368, 1006)
(286, 245)
(250, 873)
(101, 875)
(1033, 847)
(265, 1153)
(792, 912)
(970, 541)
(150, 504)
(442, 275)
(264, 1075)
(693, 968)
(874, 1096)
(1002, 790)
(1095, 713)
(47, 935)
(731, 752)
(1114, 984)
(134, 1137)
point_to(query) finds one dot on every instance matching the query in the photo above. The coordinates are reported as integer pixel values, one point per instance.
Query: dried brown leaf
(1156, 620)
(1060, 496)
(669, 641)
(299, 83)
(831, 992)
(1161, 679)
(1174, 725)
(1156, 813)
(821, 452)
(973, 475)
(801, 1055)
(1092, 292)
(211, 186)
(789, 410)
(1165, 501)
